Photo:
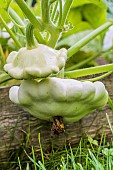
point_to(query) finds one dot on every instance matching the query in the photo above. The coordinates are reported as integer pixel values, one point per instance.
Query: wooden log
(17, 127)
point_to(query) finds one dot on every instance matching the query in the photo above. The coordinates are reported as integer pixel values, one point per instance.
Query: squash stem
(30, 43)
(57, 126)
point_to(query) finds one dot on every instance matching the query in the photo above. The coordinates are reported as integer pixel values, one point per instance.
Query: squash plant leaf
(83, 15)
(4, 4)
(91, 15)
(81, 3)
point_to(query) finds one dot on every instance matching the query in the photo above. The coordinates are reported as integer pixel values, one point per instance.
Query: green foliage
(83, 15)
(74, 38)
(37, 8)
(91, 15)
(4, 4)
(96, 2)
(57, 27)
(90, 49)
(75, 16)
(83, 156)
(4, 14)
(60, 30)
(81, 26)
(15, 7)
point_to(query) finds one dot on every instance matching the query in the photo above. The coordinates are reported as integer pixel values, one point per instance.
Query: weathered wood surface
(15, 124)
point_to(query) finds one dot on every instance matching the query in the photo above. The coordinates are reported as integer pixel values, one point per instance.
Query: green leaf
(90, 49)
(108, 152)
(91, 12)
(37, 9)
(84, 2)
(83, 15)
(94, 142)
(4, 4)
(77, 58)
(4, 41)
(75, 16)
(81, 26)
(93, 46)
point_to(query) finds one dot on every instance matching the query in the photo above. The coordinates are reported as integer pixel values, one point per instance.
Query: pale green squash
(35, 63)
(69, 98)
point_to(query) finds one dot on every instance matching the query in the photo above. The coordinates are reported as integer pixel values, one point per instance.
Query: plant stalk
(60, 13)
(76, 47)
(16, 19)
(10, 32)
(55, 34)
(65, 11)
(100, 77)
(39, 37)
(89, 71)
(54, 11)
(45, 11)
(25, 9)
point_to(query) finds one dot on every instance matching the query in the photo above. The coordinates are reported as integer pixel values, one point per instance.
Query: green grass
(83, 157)
(89, 154)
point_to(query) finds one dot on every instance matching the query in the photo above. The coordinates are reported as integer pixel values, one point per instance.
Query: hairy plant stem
(25, 9)
(76, 47)
(10, 32)
(56, 31)
(89, 71)
(45, 11)
(39, 37)
(55, 34)
(16, 19)
(60, 13)
(54, 11)
(65, 11)
(100, 77)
